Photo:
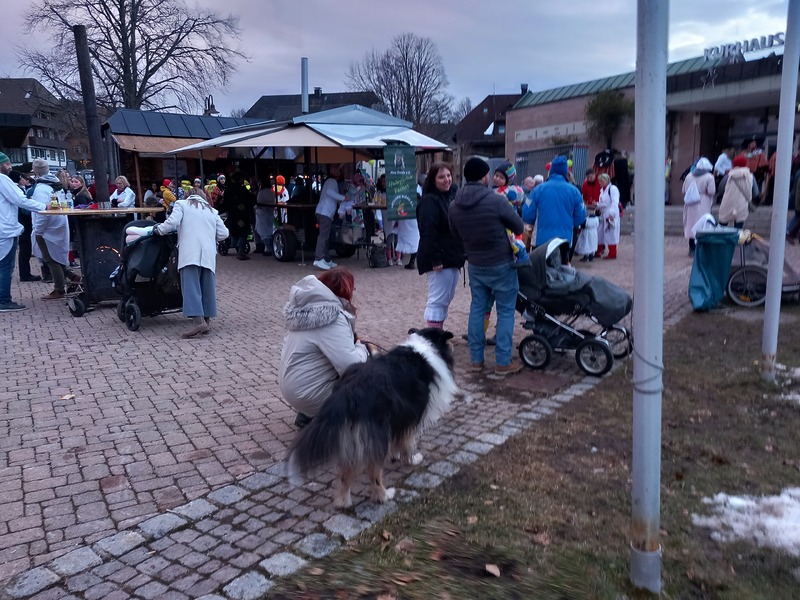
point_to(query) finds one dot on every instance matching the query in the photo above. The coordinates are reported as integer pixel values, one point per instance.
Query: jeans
(323, 241)
(198, 286)
(794, 225)
(500, 280)
(6, 270)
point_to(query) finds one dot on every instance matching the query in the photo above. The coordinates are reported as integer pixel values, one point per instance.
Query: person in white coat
(123, 196)
(199, 228)
(695, 205)
(608, 230)
(11, 199)
(320, 342)
(50, 237)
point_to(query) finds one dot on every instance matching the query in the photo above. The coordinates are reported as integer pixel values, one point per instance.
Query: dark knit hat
(740, 161)
(475, 168)
(4, 159)
(508, 171)
(559, 166)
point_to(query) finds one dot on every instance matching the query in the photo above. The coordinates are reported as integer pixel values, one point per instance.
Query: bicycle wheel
(747, 286)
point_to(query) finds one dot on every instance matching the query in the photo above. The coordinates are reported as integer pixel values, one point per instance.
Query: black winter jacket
(437, 245)
(479, 217)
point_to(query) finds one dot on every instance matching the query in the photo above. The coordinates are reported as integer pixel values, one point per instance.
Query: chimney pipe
(524, 88)
(304, 85)
(317, 92)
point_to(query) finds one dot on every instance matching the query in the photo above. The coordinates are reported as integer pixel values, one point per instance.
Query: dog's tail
(337, 436)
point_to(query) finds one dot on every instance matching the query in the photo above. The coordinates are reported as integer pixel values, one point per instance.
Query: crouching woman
(320, 342)
(199, 228)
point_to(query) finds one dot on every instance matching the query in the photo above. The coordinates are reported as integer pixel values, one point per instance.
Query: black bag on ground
(376, 256)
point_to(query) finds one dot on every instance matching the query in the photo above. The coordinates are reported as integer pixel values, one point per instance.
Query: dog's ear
(413, 330)
(448, 335)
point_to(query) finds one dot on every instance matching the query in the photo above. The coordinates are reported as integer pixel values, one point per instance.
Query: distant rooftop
(615, 82)
(283, 107)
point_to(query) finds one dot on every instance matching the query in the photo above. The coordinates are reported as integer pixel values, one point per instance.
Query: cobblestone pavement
(146, 465)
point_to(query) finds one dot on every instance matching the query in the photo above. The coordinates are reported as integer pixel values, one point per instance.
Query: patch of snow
(769, 521)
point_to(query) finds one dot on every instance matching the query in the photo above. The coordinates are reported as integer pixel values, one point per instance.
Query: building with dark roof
(711, 104)
(283, 107)
(31, 123)
(137, 144)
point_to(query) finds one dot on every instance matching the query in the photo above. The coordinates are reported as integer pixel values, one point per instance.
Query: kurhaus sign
(729, 50)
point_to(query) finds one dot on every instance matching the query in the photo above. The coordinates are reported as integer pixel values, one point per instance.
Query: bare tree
(238, 113)
(409, 79)
(146, 54)
(461, 110)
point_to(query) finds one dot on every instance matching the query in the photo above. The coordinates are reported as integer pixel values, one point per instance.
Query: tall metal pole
(783, 158)
(304, 85)
(652, 21)
(90, 108)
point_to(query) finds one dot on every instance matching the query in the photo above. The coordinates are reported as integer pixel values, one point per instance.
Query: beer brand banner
(401, 182)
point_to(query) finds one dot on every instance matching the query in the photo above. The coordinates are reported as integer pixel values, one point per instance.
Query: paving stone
(464, 458)
(404, 495)
(530, 416)
(478, 447)
(151, 590)
(161, 525)
(424, 480)
(249, 586)
(444, 468)
(120, 543)
(345, 526)
(282, 564)
(544, 410)
(211, 597)
(278, 469)
(228, 495)
(317, 545)
(31, 582)
(196, 509)
(374, 512)
(259, 481)
(75, 562)
(509, 431)
(493, 438)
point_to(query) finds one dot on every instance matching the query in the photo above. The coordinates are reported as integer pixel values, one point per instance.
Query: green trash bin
(712, 266)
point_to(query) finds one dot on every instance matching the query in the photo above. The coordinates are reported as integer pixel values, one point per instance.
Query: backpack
(692, 195)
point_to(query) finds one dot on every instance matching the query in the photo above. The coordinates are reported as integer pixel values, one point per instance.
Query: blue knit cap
(559, 166)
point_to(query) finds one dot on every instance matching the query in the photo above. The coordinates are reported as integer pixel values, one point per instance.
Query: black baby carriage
(590, 309)
(147, 277)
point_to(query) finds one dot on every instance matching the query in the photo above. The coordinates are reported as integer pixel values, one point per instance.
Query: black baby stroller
(590, 309)
(147, 277)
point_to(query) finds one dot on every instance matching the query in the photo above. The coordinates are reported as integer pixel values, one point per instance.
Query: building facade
(711, 104)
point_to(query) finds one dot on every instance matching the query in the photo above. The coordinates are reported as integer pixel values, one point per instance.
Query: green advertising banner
(401, 182)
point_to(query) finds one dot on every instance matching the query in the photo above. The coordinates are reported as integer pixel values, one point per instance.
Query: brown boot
(198, 326)
(208, 323)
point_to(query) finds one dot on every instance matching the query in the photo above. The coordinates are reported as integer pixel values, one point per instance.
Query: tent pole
(202, 171)
(138, 179)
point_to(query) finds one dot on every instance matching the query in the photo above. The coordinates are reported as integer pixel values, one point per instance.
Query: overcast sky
(486, 47)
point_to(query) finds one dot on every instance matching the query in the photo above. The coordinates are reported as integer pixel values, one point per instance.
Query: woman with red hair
(320, 342)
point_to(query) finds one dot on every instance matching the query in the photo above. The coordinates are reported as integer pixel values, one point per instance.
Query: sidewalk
(145, 465)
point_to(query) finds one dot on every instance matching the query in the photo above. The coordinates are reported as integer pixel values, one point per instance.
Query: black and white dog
(377, 409)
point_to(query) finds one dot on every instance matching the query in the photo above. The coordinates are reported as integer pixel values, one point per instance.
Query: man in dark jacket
(479, 218)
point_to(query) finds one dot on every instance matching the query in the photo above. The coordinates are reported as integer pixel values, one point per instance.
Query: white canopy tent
(337, 134)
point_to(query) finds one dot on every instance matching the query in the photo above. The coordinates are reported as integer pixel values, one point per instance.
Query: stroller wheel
(619, 340)
(76, 306)
(121, 310)
(748, 286)
(223, 247)
(535, 351)
(133, 316)
(594, 357)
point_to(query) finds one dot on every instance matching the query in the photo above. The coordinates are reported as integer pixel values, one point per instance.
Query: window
(501, 128)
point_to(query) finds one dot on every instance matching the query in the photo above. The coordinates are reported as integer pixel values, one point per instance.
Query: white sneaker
(321, 263)
(331, 264)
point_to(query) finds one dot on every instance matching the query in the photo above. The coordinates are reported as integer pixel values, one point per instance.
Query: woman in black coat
(439, 255)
